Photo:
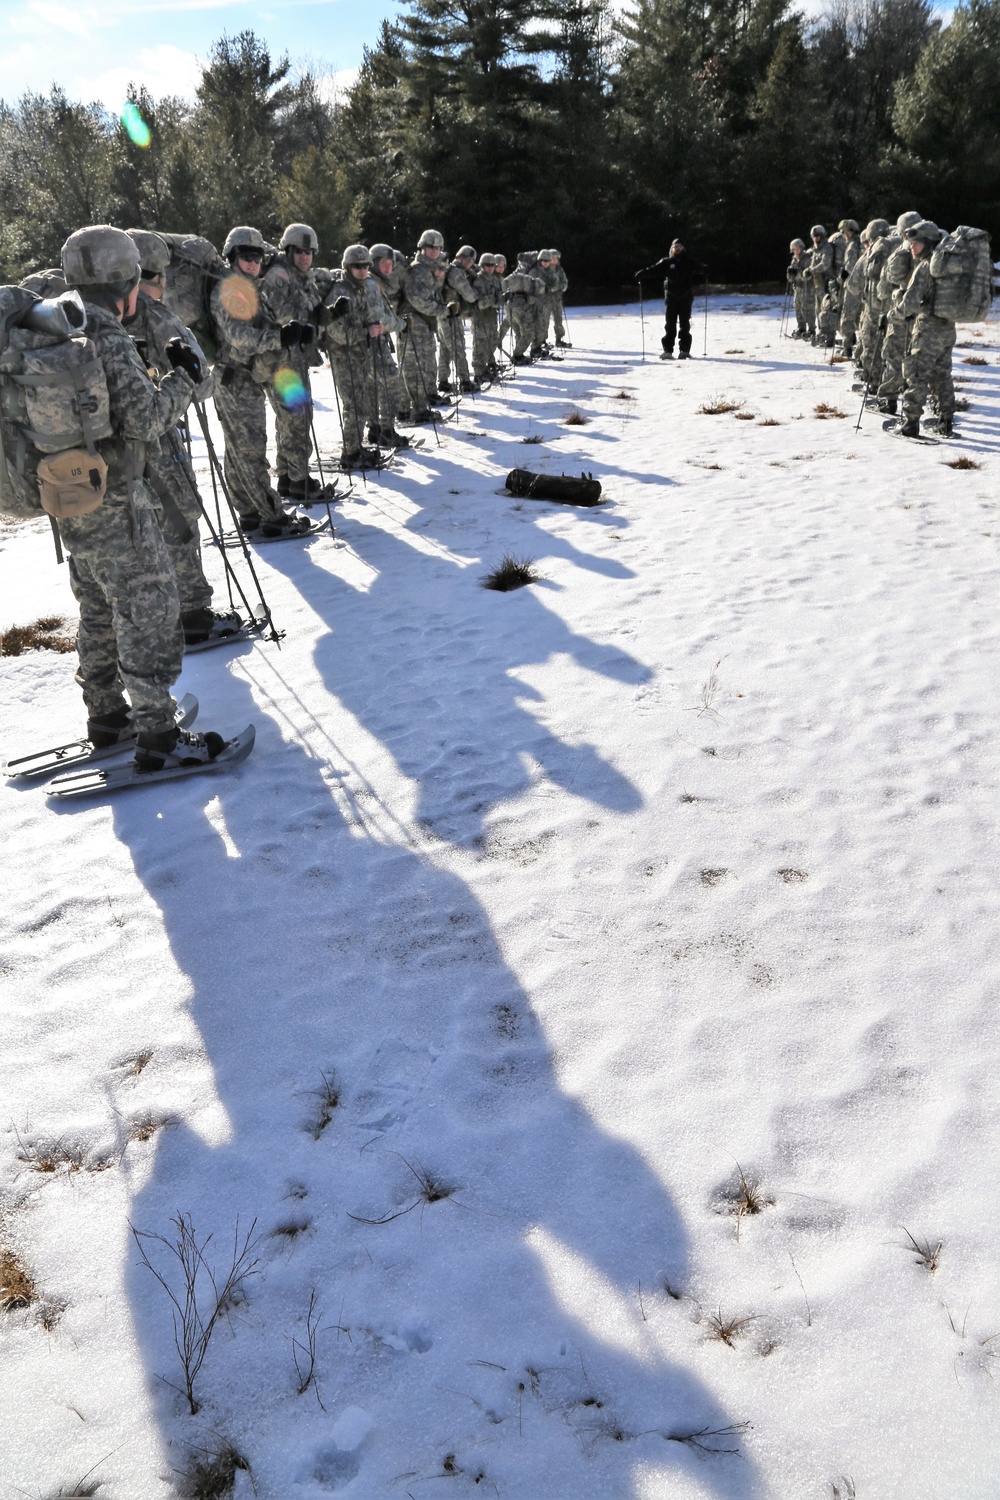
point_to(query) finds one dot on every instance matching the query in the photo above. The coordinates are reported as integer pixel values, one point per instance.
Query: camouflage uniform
(130, 638)
(423, 304)
(393, 288)
(484, 318)
(803, 293)
(346, 341)
(560, 287)
(895, 278)
(927, 363)
(523, 289)
(850, 295)
(291, 294)
(460, 297)
(505, 325)
(169, 471)
(868, 351)
(384, 386)
(821, 269)
(249, 353)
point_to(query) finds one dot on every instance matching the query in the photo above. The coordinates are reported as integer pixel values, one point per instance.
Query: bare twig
(197, 1307)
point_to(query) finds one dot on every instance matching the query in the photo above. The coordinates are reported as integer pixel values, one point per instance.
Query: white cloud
(164, 69)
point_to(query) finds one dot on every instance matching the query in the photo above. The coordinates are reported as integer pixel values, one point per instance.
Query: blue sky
(94, 47)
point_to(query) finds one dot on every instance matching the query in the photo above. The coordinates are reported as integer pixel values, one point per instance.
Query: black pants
(678, 310)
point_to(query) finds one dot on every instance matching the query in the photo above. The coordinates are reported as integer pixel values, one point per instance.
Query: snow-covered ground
(532, 921)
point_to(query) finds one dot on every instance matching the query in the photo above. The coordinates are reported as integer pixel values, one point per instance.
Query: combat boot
(175, 747)
(207, 625)
(110, 729)
(302, 490)
(909, 429)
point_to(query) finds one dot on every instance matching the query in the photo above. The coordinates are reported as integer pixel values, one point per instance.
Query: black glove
(183, 357)
(883, 321)
(340, 309)
(291, 333)
(306, 334)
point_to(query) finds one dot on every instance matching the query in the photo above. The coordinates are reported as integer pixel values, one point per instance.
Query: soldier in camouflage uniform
(169, 471)
(388, 273)
(293, 293)
(559, 289)
(423, 304)
(897, 269)
(927, 363)
(803, 292)
(820, 268)
(130, 638)
(523, 289)
(850, 289)
(868, 348)
(354, 321)
(484, 318)
(505, 325)
(251, 343)
(460, 299)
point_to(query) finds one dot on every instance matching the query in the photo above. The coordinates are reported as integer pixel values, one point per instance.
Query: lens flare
(136, 128)
(290, 391)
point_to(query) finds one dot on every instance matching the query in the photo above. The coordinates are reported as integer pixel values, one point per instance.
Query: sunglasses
(257, 255)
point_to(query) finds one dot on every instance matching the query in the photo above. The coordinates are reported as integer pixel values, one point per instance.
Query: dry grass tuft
(16, 1286)
(974, 359)
(961, 463)
(727, 1328)
(82, 1490)
(51, 1155)
(824, 411)
(735, 351)
(962, 403)
(291, 1230)
(133, 1066)
(793, 877)
(710, 1439)
(511, 573)
(746, 416)
(536, 437)
(744, 1198)
(212, 1476)
(719, 406)
(144, 1127)
(575, 419)
(926, 1254)
(622, 396)
(770, 422)
(46, 634)
(327, 1101)
(713, 877)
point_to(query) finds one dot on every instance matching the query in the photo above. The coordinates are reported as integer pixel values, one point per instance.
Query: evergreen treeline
(510, 123)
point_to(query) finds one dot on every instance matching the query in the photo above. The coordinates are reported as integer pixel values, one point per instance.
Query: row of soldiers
(135, 561)
(873, 288)
(394, 330)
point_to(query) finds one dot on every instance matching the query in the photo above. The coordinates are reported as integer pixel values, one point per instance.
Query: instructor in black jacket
(681, 273)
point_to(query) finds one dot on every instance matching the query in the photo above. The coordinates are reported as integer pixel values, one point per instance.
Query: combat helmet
(299, 237)
(907, 221)
(851, 224)
(465, 252)
(817, 231)
(431, 239)
(154, 252)
(103, 258)
(243, 237)
(926, 231)
(486, 259)
(383, 252)
(356, 255)
(876, 229)
(797, 245)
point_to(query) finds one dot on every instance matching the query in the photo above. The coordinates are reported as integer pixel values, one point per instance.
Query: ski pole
(415, 357)
(704, 351)
(454, 360)
(642, 320)
(319, 465)
(216, 471)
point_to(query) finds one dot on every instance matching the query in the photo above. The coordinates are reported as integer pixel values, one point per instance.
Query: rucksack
(962, 272)
(563, 488)
(54, 407)
(195, 266)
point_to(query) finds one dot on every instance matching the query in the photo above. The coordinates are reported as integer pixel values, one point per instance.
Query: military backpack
(195, 267)
(54, 407)
(962, 274)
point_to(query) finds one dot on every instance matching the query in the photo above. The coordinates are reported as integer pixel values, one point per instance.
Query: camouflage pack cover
(194, 268)
(962, 271)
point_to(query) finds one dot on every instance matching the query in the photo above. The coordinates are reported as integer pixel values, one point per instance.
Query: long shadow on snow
(317, 941)
(462, 735)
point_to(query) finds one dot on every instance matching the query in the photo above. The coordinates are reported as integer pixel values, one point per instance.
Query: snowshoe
(175, 747)
(44, 763)
(204, 625)
(190, 762)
